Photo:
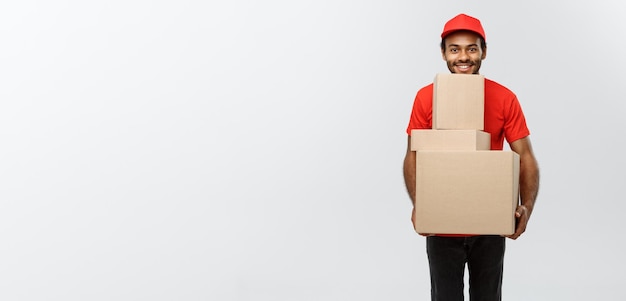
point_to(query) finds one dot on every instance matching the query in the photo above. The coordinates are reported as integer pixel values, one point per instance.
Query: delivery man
(463, 48)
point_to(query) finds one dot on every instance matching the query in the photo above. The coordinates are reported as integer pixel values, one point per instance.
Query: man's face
(463, 53)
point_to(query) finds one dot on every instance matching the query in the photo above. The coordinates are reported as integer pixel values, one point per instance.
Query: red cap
(463, 22)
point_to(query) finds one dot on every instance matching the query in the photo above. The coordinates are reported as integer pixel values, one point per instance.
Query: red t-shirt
(504, 118)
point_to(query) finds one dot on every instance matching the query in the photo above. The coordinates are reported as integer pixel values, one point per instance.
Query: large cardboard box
(466, 192)
(461, 140)
(458, 102)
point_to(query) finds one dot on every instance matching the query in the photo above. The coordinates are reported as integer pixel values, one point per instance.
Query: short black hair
(483, 43)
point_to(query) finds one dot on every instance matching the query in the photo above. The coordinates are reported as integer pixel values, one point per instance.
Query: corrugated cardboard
(462, 140)
(458, 102)
(466, 192)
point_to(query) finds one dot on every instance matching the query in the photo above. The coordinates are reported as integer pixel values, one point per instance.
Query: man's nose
(463, 55)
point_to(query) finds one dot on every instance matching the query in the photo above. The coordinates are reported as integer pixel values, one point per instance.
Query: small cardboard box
(466, 192)
(460, 140)
(458, 102)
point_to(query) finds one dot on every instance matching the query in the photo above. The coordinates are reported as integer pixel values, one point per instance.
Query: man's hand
(413, 222)
(522, 214)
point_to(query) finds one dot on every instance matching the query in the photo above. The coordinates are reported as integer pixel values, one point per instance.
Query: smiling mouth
(463, 67)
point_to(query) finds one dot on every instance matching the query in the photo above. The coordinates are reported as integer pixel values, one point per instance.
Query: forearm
(529, 182)
(409, 178)
(409, 174)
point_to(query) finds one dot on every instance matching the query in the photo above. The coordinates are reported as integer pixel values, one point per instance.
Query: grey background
(248, 150)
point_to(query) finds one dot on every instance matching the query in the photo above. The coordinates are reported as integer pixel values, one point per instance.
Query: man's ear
(443, 54)
(484, 56)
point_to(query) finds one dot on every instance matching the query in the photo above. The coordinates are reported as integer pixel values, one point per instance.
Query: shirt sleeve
(421, 114)
(515, 124)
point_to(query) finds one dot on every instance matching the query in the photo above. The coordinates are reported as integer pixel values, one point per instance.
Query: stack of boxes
(463, 187)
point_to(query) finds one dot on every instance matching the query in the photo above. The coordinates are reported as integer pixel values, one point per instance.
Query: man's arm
(409, 171)
(409, 179)
(528, 183)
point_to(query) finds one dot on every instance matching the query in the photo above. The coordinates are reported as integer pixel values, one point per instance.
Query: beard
(474, 66)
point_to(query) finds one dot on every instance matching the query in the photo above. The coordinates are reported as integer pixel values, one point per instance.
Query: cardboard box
(466, 192)
(461, 140)
(458, 102)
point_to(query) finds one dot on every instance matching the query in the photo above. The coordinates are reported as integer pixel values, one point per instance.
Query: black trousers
(447, 257)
